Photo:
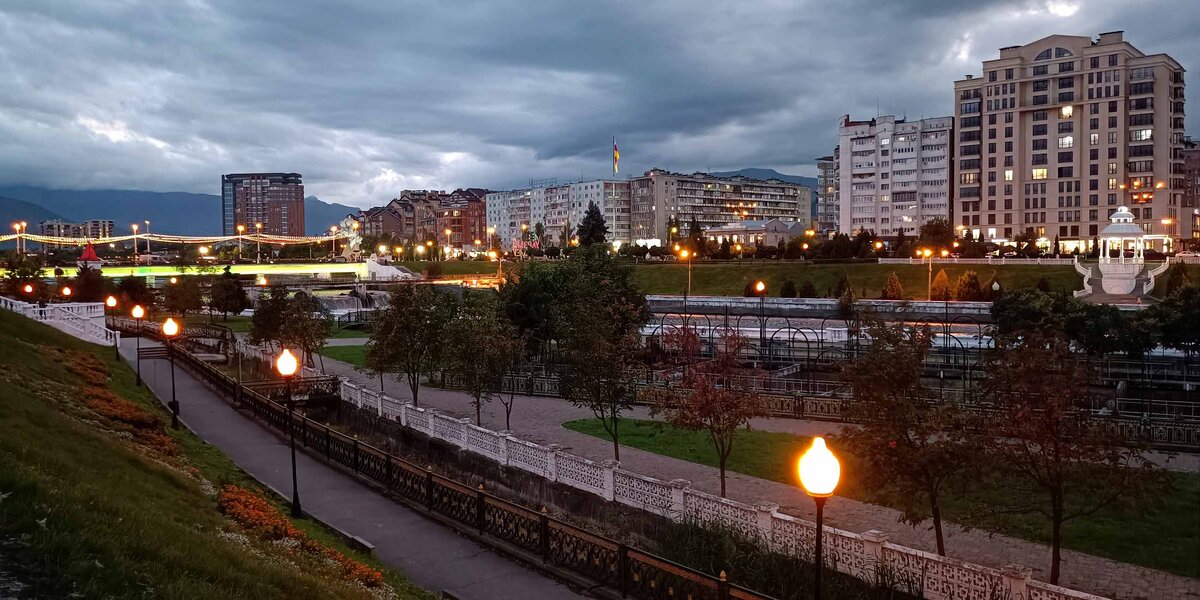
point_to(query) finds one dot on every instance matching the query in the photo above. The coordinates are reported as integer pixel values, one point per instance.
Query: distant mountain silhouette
(169, 212)
(757, 173)
(13, 210)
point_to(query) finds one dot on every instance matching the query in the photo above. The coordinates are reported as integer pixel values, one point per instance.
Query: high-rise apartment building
(711, 201)
(1058, 133)
(559, 208)
(827, 194)
(894, 174)
(91, 229)
(274, 199)
(1189, 214)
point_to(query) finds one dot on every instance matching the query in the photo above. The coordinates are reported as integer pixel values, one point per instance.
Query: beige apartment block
(1059, 133)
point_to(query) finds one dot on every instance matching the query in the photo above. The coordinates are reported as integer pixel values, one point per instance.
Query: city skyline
(419, 98)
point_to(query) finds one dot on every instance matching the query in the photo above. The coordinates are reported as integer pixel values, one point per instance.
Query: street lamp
(147, 237)
(174, 280)
(496, 256)
(136, 250)
(286, 364)
(29, 288)
(449, 244)
(138, 313)
(819, 473)
(66, 291)
(685, 255)
(240, 230)
(928, 255)
(760, 290)
(257, 243)
(110, 303)
(170, 329)
(333, 229)
(262, 280)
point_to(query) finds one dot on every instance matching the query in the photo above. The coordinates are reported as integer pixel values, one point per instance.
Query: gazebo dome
(1122, 225)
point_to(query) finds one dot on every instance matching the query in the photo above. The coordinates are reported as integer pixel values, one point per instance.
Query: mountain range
(757, 173)
(180, 213)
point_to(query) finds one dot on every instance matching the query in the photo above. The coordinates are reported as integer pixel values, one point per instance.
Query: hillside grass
(89, 513)
(1165, 536)
(348, 354)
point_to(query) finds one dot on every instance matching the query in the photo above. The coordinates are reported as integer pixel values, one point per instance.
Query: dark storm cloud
(367, 98)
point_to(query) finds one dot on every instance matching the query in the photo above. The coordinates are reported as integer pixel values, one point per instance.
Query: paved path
(433, 556)
(539, 420)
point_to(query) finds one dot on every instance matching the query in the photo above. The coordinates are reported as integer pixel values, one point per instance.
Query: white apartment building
(893, 174)
(559, 208)
(827, 193)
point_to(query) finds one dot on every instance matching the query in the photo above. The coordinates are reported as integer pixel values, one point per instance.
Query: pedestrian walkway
(539, 419)
(433, 556)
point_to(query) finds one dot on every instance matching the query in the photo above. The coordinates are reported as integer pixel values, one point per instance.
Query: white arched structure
(1119, 273)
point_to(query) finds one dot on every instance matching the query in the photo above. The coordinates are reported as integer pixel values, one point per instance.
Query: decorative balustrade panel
(446, 428)
(418, 418)
(513, 524)
(580, 473)
(529, 456)
(941, 577)
(373, 463)
(653, 578)
(485, 442)
(707, 509)
(582, 552)
(642, 492)
(407, 480)
(1044, 591)
(391, 408)
(341, 450)
(453, 500)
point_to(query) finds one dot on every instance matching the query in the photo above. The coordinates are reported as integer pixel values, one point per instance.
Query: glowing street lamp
(333, 229)
(170, 329)
(928, 255)
(136, 250)
(109, 304)
(287, 365)
(257, 243)
(262, 280)
(28, 288)
(174, 280)
(760, 290)
(138, 313)
(684, 255)
(66, 291)
(819, 472)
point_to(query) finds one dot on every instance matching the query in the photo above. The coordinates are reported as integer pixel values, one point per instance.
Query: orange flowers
(261, 518)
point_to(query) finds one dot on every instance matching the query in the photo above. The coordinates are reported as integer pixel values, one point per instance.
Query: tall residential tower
(274, 199)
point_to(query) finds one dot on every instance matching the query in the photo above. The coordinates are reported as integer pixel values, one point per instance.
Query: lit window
(1066, 141)
(1112, 183)
(1066, 112)
(1040, 173)
(1008, 175)
(1094, 139)
(1140, 135)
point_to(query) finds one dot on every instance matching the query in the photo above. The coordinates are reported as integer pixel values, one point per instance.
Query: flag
(616, 156)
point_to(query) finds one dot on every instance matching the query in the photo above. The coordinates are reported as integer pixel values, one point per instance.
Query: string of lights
(277, 240)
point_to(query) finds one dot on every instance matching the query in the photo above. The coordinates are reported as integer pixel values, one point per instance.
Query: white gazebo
(1119, 274)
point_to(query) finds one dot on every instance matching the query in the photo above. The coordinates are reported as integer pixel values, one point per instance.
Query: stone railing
(979, 261)
(860, 555)
(1153, 274)
(1087, 280)
(74, 318)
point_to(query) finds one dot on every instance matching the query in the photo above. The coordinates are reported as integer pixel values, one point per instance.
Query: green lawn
(346, 354)
(236, 324)
(1165, 537)
(452, 267)
(729, 279)
(98, 517)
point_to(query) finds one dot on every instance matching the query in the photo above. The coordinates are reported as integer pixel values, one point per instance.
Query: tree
(1069, 464)
(807, 289)
(227, 295)
(909, 449)
(481, 349)
(598, 319)
(1042, 285)
(539, 233)
(843, 284)
(788, 290)
(266, 326)
(90, 285)
(718, 396)
(183, 296)
(408, 335)
(1177, 320)
(892, 290)
(592, 229)
(132, 290)
(940, 289)
(22, 271)
(1176, 278)
(527, 297)
(305, 326)
(937, 233)
(968, 288)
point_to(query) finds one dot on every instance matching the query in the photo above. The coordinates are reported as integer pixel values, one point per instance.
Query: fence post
(552, 462)
(1015, 580)
(356, 454)
(723, 587)
(328, 443)
(480, 508)
(765, 511)
(609, 468)
(623, 569)
(404, 414)
(429, 487)
(502, 442)
(874, 541)
(544, 523)
(678, 498)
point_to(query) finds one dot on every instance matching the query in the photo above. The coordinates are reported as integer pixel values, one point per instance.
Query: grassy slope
(119, 524)
(346, 354)
(1165, 537)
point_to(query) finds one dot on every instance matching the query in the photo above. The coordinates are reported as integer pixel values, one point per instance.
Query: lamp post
(170, 329)
(928, 255)
(333, 229)
(760, 290)
(240, 230)
(286, 364)
(138, 313)
(257, 243)
(449, 244)
(686, 256)
(66, 292)
(819, 473)
(496, 256)
(136, 250)
(110, 303)
(147, 237)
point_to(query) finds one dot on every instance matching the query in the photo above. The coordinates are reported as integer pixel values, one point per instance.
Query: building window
(1066, 127)
(1140, 135)
(1040, 129)
(1040, 69)
(1112, 183)
(1008, 175)
(1042, 174)
(1066, 141)
(1041, 85)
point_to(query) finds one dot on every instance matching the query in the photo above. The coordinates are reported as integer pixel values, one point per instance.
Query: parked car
(1187, 254)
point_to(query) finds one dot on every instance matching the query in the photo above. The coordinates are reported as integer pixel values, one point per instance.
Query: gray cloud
(367, 98)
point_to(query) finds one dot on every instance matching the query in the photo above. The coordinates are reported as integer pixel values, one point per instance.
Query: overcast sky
(366, 98)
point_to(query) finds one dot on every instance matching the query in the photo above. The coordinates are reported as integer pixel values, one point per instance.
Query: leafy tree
(527, 297)
(807, 289)
(1176, 278)
(306, 325)
(227, 295)
(717, 396)
(22, 271)
(788, 290)
(481, 348)
(90, 285)
(133, 290)
(592, 229)
(183, 296)
(1042, 285)
(1070, 464)
(892, 290)
(1177, 320)
(910, 450)
(843, 284)
(266, 326)
(539, 231)
(408, 335)
(941, 286)
(937, 232)
(598, 320)
(968, 288)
